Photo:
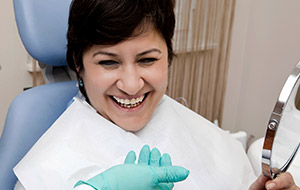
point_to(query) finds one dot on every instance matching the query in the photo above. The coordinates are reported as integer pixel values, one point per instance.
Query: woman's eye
(147, 60)
(108, 63)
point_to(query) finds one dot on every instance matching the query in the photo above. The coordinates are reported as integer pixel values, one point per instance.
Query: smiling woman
(121, 57)
(121, 51)
(126, 81)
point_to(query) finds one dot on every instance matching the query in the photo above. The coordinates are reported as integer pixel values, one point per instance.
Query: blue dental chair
(42, 25)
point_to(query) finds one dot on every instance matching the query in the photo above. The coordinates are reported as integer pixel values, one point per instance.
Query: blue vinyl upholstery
(42, 25)
(29, 116)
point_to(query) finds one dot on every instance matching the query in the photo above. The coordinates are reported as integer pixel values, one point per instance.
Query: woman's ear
(77, 68)
(75, 63)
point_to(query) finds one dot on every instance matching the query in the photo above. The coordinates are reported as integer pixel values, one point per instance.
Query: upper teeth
(130, 101)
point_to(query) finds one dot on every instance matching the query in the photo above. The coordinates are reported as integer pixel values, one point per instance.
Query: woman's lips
(127, 103)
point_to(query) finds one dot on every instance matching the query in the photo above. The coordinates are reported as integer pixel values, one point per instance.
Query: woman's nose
(130, 81)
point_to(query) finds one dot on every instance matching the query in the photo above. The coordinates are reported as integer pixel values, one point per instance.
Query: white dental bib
(81, 144)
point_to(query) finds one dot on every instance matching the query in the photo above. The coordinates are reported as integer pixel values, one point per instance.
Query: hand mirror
(283, 131)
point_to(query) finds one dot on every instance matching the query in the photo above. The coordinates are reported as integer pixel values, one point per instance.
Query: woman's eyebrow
(149, 51)
(105, 53)
(138, 55)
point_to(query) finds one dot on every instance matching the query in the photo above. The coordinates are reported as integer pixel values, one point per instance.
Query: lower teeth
(129, 106)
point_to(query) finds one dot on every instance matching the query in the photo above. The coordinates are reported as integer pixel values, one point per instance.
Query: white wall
(13, 75)
(265, 48)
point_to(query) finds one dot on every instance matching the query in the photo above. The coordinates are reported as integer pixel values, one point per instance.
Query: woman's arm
(284, 181)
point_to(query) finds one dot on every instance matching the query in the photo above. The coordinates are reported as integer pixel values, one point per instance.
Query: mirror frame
(273, 124)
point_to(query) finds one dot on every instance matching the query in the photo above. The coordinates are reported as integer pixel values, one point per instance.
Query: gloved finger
(130, 158)
(168, 174)
(165, 160)
(144, 155)
(165, 186)
(155, 157)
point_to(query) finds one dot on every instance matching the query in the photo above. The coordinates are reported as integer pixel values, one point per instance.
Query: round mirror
(283, 131)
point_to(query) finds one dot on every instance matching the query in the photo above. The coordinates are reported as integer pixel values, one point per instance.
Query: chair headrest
(42, 25)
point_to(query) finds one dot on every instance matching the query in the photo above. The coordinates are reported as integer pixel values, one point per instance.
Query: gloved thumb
(167, 174)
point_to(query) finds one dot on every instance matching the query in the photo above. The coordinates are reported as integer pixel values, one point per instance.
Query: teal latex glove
(152, 172)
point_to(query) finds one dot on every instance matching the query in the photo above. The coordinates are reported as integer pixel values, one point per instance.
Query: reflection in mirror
(283, 132)
(287, 135)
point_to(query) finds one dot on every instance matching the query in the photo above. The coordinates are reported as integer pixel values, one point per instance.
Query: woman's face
(125, 82)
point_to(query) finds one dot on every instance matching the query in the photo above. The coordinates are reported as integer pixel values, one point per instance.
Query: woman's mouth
(129, 103)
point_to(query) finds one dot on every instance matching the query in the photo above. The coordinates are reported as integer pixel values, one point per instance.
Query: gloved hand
(152, 172)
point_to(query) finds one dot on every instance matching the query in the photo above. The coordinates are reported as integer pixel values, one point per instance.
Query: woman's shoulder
(184, 113)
